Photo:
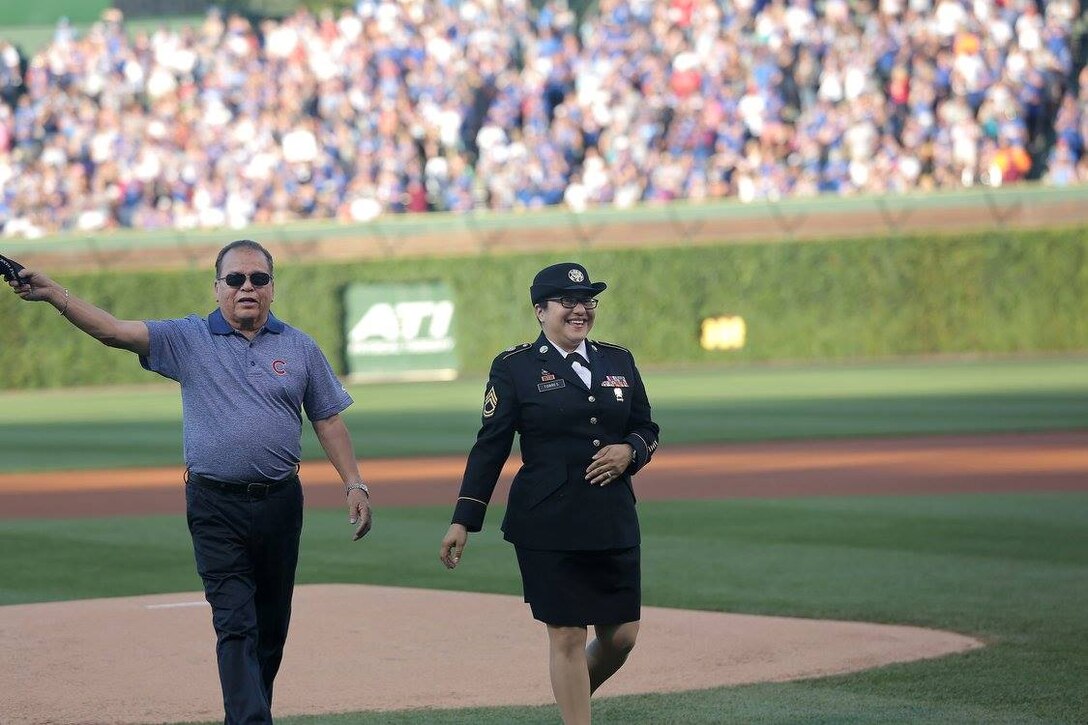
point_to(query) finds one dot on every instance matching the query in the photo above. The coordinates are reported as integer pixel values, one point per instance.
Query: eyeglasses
(570, 303)
(237, 279)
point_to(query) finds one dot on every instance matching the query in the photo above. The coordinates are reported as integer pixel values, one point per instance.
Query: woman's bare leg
(609, 651)
(570, 673)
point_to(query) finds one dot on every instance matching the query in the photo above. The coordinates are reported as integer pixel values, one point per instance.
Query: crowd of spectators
(419, 105)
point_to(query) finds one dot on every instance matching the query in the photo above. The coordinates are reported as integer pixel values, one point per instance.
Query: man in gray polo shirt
(246, 377)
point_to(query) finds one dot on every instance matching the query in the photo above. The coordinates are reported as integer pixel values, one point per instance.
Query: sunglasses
(571, 302)
(237, 279)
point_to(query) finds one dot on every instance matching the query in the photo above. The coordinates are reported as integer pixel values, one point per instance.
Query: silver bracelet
(67, 299)
(357, 487)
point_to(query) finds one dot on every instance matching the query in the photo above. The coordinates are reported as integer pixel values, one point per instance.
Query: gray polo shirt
(241, 400)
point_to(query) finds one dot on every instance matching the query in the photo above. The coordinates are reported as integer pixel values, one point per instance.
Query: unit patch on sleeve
(491, 402)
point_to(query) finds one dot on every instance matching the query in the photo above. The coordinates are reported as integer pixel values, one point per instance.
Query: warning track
(884, 466)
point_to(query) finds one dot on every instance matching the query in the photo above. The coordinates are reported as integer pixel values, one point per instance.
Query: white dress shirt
(583, 372)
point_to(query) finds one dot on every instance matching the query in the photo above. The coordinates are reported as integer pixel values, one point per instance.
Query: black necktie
(575, 357)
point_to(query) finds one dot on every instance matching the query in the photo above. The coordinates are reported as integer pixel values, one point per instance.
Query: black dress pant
(245, 540)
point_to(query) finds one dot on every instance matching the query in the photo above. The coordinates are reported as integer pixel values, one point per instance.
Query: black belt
(252, 490)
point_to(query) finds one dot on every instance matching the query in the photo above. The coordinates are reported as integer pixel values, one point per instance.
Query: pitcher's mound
(152, 658)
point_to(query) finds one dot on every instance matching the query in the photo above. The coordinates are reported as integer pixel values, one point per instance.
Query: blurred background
(759, 181)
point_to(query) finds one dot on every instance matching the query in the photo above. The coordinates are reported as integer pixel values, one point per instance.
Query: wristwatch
(357, 486)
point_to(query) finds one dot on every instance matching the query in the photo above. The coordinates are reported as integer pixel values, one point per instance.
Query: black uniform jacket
(532, 390)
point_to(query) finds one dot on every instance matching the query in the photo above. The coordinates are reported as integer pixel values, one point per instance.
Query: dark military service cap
(564, 279)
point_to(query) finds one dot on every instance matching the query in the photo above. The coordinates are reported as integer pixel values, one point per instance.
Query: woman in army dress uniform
(584, 420)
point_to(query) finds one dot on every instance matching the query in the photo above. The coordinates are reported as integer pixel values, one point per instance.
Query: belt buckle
(257, 490)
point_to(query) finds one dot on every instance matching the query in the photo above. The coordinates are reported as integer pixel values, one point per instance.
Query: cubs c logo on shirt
(279, 367)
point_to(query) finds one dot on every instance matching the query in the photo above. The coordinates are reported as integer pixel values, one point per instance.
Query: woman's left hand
(608, 464)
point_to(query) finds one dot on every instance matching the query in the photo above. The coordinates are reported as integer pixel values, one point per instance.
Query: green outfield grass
(1010, 569)
(103, 428)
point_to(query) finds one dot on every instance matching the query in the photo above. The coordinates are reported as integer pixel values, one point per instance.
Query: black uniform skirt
(580, 588)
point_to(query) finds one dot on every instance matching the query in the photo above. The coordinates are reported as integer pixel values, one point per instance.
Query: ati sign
(400, 331)
(412, 327)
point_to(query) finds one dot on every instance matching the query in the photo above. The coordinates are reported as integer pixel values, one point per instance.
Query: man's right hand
(129, 335)
(359, 514)
(36, 287)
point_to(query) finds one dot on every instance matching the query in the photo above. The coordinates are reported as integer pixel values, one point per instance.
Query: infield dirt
(151, 659)
(875, 466)
(122, 659)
